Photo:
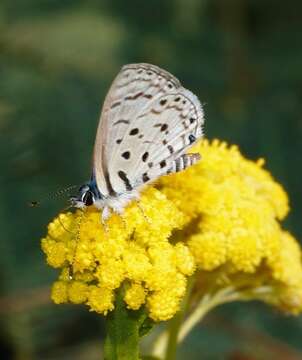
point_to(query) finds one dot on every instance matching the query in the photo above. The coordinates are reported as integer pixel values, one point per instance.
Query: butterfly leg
(120, 211)
(78, 233)
(143, 212)
(105, 215)
(183, 162)
(123, 220)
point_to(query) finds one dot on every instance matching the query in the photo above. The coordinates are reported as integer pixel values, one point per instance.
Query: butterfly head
(85, 197)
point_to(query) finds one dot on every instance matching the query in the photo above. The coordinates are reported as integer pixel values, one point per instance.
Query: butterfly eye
(87, 198)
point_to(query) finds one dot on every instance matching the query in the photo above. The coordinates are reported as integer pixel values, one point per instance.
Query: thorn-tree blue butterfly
(147, 124)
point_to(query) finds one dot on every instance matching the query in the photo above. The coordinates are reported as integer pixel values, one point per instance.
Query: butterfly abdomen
(183, 162)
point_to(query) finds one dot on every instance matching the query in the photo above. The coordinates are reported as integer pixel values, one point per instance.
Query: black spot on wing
(163, 102)
(163, 127)
(121, 121)
(134, 97)
(114, 105)
(153, 111)
(162, 164)
(139, 94)
(170, 148)
(106, 175)
(133, 131)
(145, 156)
(126, 181)
(145, 177)
(126, 155)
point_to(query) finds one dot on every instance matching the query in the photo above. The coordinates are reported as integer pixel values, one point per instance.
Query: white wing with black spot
(148, 123)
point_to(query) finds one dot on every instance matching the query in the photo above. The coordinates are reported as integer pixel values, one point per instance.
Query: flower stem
(173, 335)
(122, 338)
(208, 302)
(175, 325)
(178, 331)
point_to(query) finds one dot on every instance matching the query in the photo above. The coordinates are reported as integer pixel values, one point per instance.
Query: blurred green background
(57, 58)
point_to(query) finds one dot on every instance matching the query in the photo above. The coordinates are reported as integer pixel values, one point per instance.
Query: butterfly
(147, 124)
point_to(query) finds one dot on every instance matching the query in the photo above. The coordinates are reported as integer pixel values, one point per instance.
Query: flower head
(220, 218)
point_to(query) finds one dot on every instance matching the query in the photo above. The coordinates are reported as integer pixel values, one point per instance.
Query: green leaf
(146, 326)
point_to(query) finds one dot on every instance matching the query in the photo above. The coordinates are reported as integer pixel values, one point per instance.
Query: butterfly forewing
(148, 121)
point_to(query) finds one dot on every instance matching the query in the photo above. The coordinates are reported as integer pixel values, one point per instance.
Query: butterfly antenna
(54, 195)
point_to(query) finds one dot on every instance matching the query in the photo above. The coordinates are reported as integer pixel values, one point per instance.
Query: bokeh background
(57, 59)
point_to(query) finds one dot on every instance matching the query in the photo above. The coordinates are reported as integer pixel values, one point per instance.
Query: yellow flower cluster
(233, 208)
(134, 251)
(221, 216)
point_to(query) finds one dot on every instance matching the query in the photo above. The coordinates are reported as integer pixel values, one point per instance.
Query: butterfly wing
(148, 122)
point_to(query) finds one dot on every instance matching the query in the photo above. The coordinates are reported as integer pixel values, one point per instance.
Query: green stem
(173, 335)
(223, 296)
(207, 303)
(182, 329)
(175, 325)
(122, 338)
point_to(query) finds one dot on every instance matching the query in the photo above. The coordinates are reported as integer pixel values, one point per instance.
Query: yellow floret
(286, 261)
(55, 251)
(184, 259)
(59, 292)
(135, 296)
(111, 273)
(244, 249)
(136, 261)
(209, 249)
(162, 305)
(77, 292)
(100, 299)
